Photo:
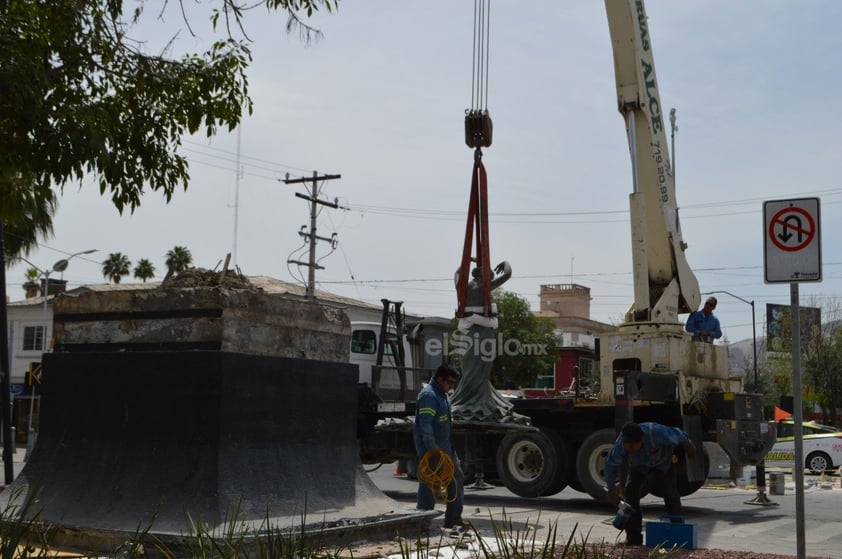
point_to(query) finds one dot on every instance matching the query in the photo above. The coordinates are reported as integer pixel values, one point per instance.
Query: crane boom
(651, 339)
(664, 284)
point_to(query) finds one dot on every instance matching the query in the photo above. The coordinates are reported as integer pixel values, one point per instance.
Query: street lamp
(760, 498)
(753, 331)
(60, 266)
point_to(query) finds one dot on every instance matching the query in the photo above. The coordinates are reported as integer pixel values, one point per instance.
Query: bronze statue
(475, 342)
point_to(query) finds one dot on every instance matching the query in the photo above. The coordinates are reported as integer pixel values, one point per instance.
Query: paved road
(722, 517)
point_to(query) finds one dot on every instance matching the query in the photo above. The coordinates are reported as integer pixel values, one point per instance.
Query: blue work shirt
(432, 420)
(659, 442)
(698, 321)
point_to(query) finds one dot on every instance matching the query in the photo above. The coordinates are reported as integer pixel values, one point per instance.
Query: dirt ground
(200, 277)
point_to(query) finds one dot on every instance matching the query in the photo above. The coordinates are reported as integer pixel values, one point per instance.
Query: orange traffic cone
(781, 414)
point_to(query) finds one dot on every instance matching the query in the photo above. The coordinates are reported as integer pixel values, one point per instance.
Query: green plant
(21, 534)
(31, 284)
(515, 543)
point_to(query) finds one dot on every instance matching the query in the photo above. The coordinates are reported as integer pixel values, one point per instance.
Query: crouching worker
(645, 448)
(433, 425)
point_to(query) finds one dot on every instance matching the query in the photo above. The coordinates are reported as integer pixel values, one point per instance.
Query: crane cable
(437, 471)
(478, 126)
(478, 133)
(482, 33)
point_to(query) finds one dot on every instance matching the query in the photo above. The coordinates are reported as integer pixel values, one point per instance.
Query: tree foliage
(528, 343)
(178, 258)
(26, 210)
(32, 285)
(144, 270)
(116, 266)
(821, 362)
(79, 97)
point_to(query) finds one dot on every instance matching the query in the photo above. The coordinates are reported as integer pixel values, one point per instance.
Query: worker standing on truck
(645, 448)
(703, 325)
(433, 426)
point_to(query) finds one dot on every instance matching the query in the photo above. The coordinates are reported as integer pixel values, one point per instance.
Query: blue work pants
(672, 500)
(455, 495)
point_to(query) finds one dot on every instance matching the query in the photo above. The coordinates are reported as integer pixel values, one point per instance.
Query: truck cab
(365, 342)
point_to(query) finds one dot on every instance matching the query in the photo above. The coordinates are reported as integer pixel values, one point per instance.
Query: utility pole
(5, 373)
(312, 237)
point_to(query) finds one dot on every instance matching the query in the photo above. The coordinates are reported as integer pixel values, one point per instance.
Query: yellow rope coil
(436, 470)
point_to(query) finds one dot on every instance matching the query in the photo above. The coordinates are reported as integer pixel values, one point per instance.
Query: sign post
(792, 254)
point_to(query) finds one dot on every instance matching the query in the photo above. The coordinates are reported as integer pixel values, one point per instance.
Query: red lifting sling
(477, 220)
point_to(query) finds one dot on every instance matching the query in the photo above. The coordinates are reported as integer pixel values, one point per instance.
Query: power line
(521, 217)
(457, 215)
(274, 164)
(559, 276)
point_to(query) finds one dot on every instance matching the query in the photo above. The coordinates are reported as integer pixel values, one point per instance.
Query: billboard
(779, 327)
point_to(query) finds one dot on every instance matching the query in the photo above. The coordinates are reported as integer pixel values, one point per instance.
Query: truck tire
(572, 477)
(527, 463)
(562, 464)
(590, 462)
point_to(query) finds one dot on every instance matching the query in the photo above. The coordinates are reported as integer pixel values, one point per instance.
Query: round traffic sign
(792, 229)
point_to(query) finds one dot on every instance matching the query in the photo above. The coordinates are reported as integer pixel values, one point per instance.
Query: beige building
(568, 305)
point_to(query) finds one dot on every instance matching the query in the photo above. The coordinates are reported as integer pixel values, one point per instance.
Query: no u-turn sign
(792, 241)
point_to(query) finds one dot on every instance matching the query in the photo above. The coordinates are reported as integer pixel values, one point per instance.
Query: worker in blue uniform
(432, 431)
(645, 448)
(703, 325)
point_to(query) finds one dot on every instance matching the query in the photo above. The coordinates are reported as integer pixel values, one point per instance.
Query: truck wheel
(590, 462)
(527, 463)
(572, 477)
(562, 461)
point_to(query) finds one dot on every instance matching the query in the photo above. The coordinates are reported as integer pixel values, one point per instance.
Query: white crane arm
(664, 284)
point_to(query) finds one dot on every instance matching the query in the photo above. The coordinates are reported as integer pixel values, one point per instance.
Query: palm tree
(26, 210)
(178, 259)
(32, 286)
(116, 266)
(144, 270)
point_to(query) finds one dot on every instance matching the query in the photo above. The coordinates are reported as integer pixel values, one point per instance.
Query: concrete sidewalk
(723, 518)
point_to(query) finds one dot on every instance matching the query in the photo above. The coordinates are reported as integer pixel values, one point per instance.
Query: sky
(380, 100)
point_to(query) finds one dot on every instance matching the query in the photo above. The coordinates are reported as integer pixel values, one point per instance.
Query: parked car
(822, 446)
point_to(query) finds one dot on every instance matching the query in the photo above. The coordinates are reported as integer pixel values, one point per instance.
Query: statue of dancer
(475, 340)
